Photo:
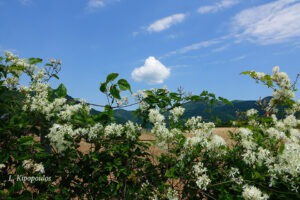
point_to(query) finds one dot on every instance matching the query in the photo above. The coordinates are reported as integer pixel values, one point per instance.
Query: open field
(154, 150)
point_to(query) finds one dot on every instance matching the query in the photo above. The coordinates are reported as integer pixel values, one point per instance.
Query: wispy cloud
(165, 23)
(221, 48)
(92, 4)
(152, 72)
(270, 23)
(217, 6)
(25, 2)
(238, 58)
(196, 46)
(96, 4)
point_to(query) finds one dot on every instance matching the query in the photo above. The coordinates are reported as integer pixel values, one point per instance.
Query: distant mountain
(220, 113)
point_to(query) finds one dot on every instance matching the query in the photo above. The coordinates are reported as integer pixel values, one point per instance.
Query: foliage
(41, 132)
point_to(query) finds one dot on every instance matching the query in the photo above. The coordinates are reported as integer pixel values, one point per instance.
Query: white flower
(2, 166)
(259, 75)
(251, 112)
(202, 180)
(39, 168)
(11, 82)
(113, 130)
(234, 174)
(245, 132)
(176, 112)
(249, 157)
(94, 131)
(264, 155)
(275, 69)
(172, 194)
(194, 122)
(194, 141)
(57, 136)
(155, 116)
(253, 193)
(27, 164)
(131, 130)
(290, 121)
(36, 167)
(217, 141)
(162, 132)
(39, 75)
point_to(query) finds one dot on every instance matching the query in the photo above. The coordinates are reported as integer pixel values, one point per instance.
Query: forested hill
(220, 113)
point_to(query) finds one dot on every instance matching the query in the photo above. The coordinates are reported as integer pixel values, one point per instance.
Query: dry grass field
(154, 150)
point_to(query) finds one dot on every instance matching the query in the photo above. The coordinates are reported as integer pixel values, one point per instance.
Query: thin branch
(98, 105)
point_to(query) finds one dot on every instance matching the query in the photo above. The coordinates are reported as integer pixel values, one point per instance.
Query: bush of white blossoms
(262, 162)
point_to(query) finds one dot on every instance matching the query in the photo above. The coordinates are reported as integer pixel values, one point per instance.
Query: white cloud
(217, 7)
(165, 23)
(152, 72)
(270, 23)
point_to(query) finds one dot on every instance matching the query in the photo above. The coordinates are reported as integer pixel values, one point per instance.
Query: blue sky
(196, 44)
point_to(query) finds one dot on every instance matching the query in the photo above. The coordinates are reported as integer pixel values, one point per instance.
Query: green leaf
(245, 72)
(115, 92)
(111, 77)
(55, 76)
(61, 91)
(226, 101)
(175, 96)
(195, 98)
(124, 85)
(103, 87)
(170, 173)
(34, 61)
(26, 140)
(281, 148)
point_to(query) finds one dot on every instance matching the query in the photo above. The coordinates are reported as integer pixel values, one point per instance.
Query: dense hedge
(41, 131)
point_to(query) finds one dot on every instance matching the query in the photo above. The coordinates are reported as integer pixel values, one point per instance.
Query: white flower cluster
(57, 134)
(12, 80)
(163, 135)
(113, 130)
(15, 60)
(202, 179)
(252, 153)
(37, 94)
(251, 112)
(235, 176)
(2, 166)
(31, 165)
(253, 193)
(155, 116)
(284, 90)
(176, 113)
(37, 101)
(122, 101)
(140, 95)
(130, 130)
(172, 194)
(194, 123)
(202, 134)
(283, 164)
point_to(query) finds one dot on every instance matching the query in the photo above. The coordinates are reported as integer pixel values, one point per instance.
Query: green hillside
(220, 113)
